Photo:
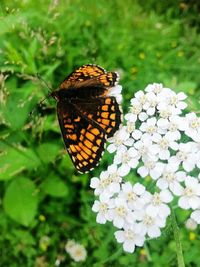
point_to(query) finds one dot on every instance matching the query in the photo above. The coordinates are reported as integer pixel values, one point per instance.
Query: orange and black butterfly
(87, 114)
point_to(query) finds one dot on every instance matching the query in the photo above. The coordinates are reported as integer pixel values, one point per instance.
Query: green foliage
(20, 200)
(45, 201)
(16, 159)
(55, 187)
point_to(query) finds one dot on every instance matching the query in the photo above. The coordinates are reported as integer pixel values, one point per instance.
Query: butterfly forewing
(85, 72)
(90, 76)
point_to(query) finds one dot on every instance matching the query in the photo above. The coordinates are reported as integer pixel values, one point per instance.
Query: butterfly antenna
(41, 102)
(41, 79)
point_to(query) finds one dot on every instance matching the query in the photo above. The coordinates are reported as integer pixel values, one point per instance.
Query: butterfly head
(55, 95)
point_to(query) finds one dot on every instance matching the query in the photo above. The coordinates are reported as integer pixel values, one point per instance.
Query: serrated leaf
(20, 201)
(55, 187)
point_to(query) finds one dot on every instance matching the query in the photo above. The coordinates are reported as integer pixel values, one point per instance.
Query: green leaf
(20, 201)
(16, 159)
(48, 152)
(24, 235)
(55, 187)
(16, 110)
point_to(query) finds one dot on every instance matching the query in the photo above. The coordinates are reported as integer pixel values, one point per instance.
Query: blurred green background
(44, 201)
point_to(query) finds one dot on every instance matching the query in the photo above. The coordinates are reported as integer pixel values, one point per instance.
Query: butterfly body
(87, 114)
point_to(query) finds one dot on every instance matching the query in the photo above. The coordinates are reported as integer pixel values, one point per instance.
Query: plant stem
(179, 252)
(147, 252)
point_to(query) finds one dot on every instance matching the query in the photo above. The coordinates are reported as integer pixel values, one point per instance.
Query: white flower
(130, 128)
(142, 116)
(168, 98)
(156, 88)
(141, 97)
(198, 160)
(166, 111)
(171, 179)
(120, 214)
(151, 167)
(149, 128)
(170, 127)
(100, 184)
(114, 175)
(196, 138)
(69, 245)
(190, 197)
(157, 205)
(196, 216)
(185, 156)
(130, 237)
(151, 225)
(136, 110)
(102, 207)
(192, 125)
(108, 183)
(144, 148)
(120, 139)
(191, 224)
(135, 195)
(151, 104)
(162, 146)
(58, 261)
(128, 159)
(176, 100)
(78, 253)
(131, 117)
(116, 92)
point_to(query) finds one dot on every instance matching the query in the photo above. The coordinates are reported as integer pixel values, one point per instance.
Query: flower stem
(179, 251)
(147, 252)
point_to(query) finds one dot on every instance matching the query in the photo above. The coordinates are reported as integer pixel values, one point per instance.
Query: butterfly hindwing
(105, 111)
(84, 139)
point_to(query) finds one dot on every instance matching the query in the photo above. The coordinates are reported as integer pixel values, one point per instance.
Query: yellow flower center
(121, 211)
(195, 124)
(156, 199)
(148, 220)
(164, 143)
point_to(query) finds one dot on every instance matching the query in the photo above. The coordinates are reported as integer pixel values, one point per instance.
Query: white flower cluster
(163, 145)
(76, 251)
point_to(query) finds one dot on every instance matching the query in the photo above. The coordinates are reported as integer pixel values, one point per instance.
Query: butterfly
(88, 113)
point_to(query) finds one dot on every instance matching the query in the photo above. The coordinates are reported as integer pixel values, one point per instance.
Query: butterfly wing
(84, 139)
(105, 111)
(90, 76)
(87, 114)
(85, 72)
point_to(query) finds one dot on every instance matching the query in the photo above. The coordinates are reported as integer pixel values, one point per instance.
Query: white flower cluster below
(163, 146)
